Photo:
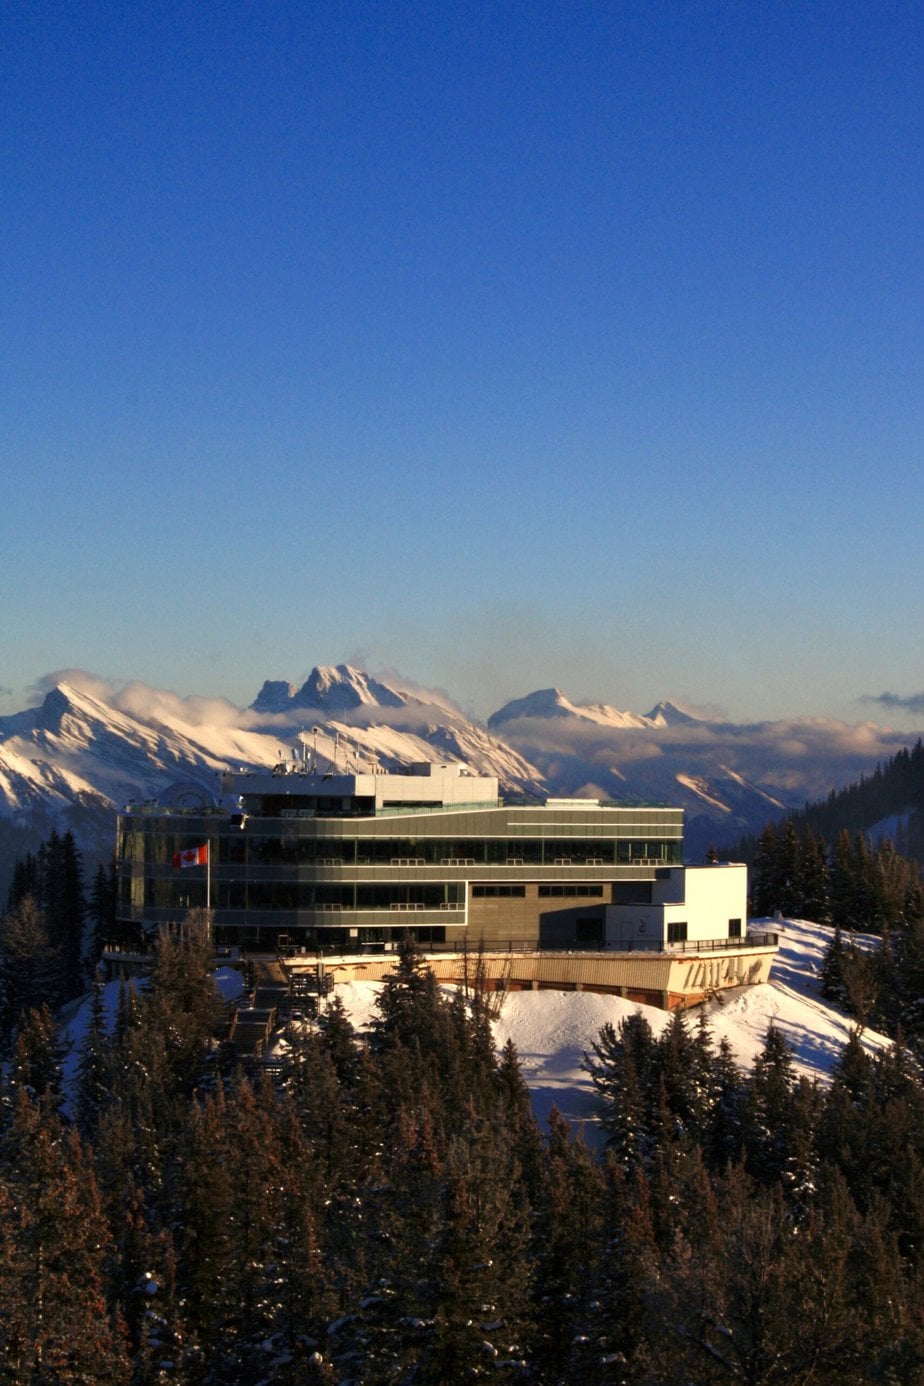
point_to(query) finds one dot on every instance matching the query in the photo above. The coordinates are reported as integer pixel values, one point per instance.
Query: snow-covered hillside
(553, 1030)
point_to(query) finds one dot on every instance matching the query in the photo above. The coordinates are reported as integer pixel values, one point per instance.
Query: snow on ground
(815, 1030)
(552, 1030)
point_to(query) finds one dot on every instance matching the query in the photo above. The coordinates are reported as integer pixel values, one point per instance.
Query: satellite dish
(186, 794)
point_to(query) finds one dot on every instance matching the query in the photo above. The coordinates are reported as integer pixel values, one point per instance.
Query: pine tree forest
(873, 898)
(384, 1208)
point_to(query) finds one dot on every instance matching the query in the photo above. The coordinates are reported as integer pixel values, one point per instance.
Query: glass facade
(364, 878)
(158, 847)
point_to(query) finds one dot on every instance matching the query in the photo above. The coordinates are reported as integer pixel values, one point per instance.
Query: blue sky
(505, 345)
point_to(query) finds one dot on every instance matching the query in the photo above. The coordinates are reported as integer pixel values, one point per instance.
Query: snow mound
(553, 1030)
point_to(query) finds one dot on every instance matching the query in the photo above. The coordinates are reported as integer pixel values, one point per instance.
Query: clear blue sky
(506, 345)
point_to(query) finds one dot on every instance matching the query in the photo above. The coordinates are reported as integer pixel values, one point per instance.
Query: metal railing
(532, 945)
(290, 947)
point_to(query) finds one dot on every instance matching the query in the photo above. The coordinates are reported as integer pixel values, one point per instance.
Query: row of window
(327, 939)
(167, 892)
(518, 892)
(564, 888)
(170, 893)
(290, 849)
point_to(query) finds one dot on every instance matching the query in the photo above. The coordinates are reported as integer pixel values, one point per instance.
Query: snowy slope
(553, 1030)
(76, 753)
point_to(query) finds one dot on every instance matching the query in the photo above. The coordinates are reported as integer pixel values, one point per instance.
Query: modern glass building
(342, 862)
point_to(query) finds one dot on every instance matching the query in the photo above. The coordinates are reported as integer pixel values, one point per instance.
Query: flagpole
(208, 875)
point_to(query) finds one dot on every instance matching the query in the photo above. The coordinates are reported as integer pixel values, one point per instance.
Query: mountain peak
(552, 702)
(341, 687)
(329, 689)
(544, 702)
(667, 714)
(62, 701)
(276, 695)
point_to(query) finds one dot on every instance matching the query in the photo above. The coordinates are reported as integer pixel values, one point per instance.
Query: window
(734, 928)
(677, 933)
(564, 888)
(631, 892)
(516, 891)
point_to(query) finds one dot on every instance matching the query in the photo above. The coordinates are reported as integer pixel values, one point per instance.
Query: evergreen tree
(408, 1004)
(683, 1063)
(767, 1115)
(844, 887)
(907, 992)
(55, 1325)
(338, 1038)
(204, 1218)
(814, 886)
(569, 1227)
(180, 1009)
(482, 1272)
(94, 1066)
(764, 875)
(789, 871)
(515, 1115)
(621, 1068)
(723, 1135)
(25, 881)
(28, 962)
(622, 1325)
(833, 984)
(102, 907)
(66, 908)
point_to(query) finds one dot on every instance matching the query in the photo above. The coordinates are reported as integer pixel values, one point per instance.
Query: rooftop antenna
(332, 767)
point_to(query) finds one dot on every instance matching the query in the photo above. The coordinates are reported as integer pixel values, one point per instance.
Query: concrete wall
(656, 980)
(705, 898)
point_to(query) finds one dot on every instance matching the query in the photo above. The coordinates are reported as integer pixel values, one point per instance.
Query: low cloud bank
(140, 700)
(798, 758)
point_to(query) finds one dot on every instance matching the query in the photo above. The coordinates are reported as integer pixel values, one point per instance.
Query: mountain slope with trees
(887, 802)
(386, 1209)
(860, 884)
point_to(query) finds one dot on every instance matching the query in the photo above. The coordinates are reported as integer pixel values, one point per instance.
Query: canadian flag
(192, 856)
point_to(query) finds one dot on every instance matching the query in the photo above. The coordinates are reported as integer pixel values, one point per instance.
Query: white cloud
(140, 700)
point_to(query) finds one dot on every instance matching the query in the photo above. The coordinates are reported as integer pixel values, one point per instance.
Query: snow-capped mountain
(328, 689)
(670, 715)
(551, 702)
(729, 779)
(78, 757)
(75, 760)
